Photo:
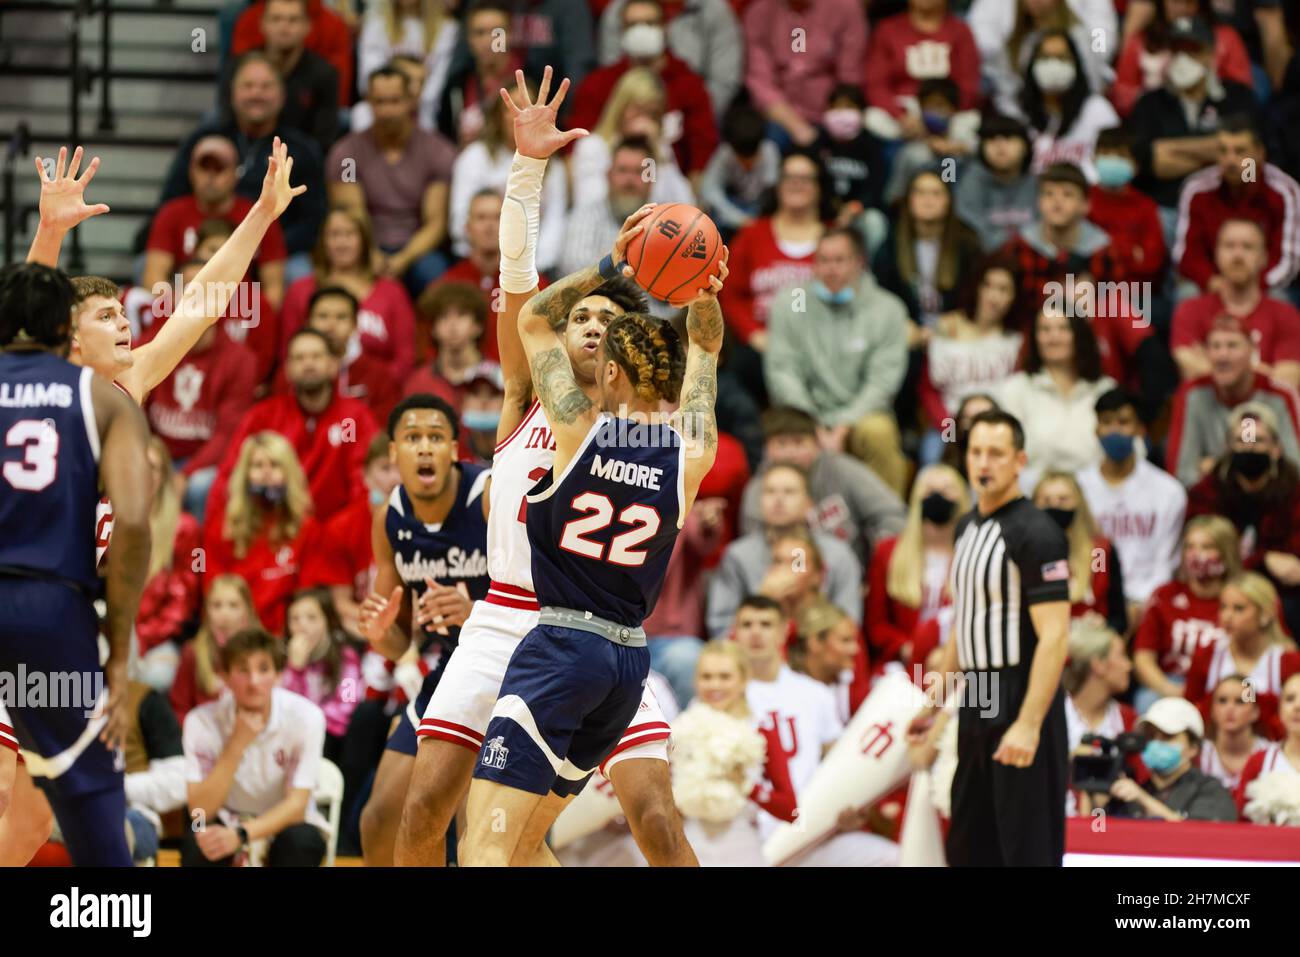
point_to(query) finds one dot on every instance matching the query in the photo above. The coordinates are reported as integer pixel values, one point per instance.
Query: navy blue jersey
(603, 531)
(451, 552)
(49, 468)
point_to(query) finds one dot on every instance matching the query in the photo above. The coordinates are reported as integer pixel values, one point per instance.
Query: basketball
(676, 253)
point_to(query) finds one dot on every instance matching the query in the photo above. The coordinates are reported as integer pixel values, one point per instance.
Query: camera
(1094, 773)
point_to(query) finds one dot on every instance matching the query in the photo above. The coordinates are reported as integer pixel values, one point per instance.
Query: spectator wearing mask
(1055, 395)
(1063, 241)
(688, 123)
(264, 527)
(1182, 615)
(1203, 405)
(482, 400)
(1174, 126)
(227, 609)
(1231, 740)
(746, 563)
(636, 108)
(924, 260)
(174, 233)
(704, 34)
(327, 431)
(257, 102)
(485, 65)
(424, 30)
(398, 176)
(908, 575)
(1254, 484)
(851, 154)
(1260, 24)
(483, 166)
(458, 314)
(343, 257)
(332, 311)
(1007, 33)
(1096, 573)
(1065, 113)
(342, 560)
(252, 765)
(1257, 648)
(1129, 217)
(850, 501)
(311, 84)
(321, 663)
(1144, 59)
(1237, 291)
(1241, 185)
(970, 349)
(802, 713)
(741, 171)
(924, 42)
(200, 403)
(791, 83)
(996, 194)
(1137, 506)
(328, 36)
(769, 254)
(1277, 758)
(954, 452)
(949, 136)
(171, 597)
(1178, 790)
(842, 357)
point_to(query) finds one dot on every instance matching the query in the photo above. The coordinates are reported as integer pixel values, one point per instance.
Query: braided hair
(650, 351)
(35, 305)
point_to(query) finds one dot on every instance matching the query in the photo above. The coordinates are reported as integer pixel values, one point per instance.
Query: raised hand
(63, 205)
(535, 132)
(632, 227)
(716, 280)
(378, 614)
(276, 191)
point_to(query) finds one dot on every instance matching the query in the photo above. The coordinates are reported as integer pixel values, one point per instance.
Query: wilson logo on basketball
(669, 229)
(699, 247)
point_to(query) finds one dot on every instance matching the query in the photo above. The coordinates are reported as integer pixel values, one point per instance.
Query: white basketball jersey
(519, 462)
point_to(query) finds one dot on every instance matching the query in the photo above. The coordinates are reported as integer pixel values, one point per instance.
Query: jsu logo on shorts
(495, 753)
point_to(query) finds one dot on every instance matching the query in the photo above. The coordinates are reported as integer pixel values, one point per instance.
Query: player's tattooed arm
(699, 397)
(704, 324)
(556, 301)
(557, 389)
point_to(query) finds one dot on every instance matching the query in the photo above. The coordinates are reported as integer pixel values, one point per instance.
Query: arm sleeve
(1147, 636)
(1285, 242)
(1041, 554)
(966, 66)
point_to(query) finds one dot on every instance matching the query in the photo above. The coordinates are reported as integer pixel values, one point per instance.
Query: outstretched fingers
(556, 103)
(545, 88)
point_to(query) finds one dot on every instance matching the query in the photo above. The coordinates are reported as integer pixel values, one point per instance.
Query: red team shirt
(759, 269)
(175, 230)
(385, 321)
(1273, 327)
(271, 570)
(343, 555)
(1176, 625)
(196, 408)
(1211, 664)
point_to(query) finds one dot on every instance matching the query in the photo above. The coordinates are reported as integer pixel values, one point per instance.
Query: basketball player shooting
(602, 524)
(581, 306)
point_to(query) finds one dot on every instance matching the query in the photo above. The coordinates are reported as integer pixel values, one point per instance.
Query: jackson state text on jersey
(603, 531)
(452, 552)
(49, 467)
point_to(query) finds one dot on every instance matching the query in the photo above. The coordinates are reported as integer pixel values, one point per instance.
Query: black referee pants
(1004, 816)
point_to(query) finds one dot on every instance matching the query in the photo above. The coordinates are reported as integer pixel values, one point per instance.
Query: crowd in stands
(1084, 212)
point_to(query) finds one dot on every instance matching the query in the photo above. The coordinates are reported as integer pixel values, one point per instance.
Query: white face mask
(643, 41)
(1054, 76)
(1185, 71)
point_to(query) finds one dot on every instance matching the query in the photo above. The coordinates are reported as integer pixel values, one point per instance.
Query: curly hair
(650, 351)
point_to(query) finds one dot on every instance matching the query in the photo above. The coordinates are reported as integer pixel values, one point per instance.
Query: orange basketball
(676, 253)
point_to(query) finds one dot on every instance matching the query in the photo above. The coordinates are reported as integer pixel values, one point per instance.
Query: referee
(1010, 589)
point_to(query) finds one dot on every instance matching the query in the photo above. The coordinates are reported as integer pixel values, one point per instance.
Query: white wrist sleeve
(520, 221)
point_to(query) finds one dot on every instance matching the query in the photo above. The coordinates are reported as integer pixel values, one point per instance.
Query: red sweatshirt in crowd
(328, 38)
(196, 408)
(175, 230)
(343, 554)
(900, 56)
(688, 122)
(271, 570)
(1273, 326)
(1272, 201)
(759, 269)
(362, 377)
(385, 322)
(1132, 220)
(331, 447)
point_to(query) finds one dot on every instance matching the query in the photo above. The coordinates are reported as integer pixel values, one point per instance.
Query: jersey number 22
(621, 550)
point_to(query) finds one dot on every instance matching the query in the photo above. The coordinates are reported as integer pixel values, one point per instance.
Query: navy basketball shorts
(566, 699)
(403, 739)
(51, 680)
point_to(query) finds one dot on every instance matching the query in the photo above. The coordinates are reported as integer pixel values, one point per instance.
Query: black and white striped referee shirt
(1003, 563)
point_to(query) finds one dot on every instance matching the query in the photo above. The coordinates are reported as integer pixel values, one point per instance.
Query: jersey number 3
(40, 444)
(600, 515)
